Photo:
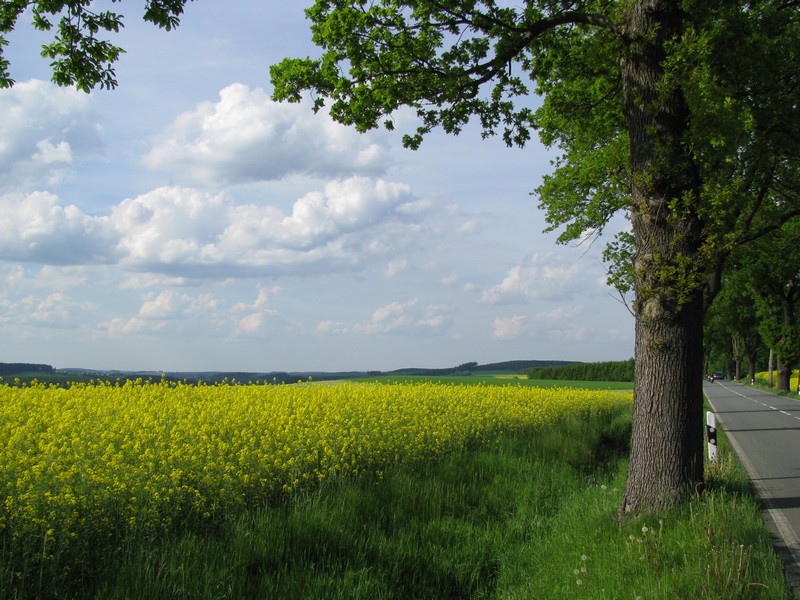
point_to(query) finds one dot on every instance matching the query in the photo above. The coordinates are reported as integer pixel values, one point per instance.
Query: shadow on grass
(441, 529)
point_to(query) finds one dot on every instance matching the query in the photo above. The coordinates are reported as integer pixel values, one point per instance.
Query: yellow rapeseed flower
(118, 457)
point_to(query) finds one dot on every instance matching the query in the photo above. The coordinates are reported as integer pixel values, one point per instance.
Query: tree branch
(533, 31)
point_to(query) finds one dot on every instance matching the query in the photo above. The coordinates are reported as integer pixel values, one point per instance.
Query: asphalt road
(764, 430)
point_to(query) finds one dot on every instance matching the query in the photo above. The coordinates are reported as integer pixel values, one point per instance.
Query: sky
(186, 222)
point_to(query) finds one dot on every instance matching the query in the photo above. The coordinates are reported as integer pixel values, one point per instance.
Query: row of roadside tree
(752, 325)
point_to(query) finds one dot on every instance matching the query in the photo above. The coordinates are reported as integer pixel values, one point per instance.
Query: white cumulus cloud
(255, 314)
(546, 276)
(507, 328)
(37, 228)
(245, 137)
(168, 226)
(410, 317)
(157, 311)
(44, 130)
(182, 232)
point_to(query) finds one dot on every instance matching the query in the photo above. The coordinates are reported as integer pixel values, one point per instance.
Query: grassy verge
(761, 385)
(531, 516)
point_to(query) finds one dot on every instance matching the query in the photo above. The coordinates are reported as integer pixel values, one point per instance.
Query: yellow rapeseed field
(106, 459)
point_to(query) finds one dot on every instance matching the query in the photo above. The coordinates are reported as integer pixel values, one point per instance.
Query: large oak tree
(681, 113)
(658, 108)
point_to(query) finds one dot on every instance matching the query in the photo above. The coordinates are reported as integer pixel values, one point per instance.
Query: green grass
(531, 516)
(502, 379)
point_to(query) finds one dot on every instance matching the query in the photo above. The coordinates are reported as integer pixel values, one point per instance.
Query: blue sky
(186, 222)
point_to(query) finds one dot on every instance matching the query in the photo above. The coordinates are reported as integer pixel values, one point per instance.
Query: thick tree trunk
(788, 344)
(666, 462)
(784, 376)
(771, 368)
(737, 352)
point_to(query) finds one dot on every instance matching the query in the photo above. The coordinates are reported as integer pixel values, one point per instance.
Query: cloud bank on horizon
(236, 233)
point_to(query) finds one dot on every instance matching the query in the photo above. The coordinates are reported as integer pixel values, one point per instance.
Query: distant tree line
(511, 366)
(17, 368)
(462, 369)
(619, 370)
(522, 366)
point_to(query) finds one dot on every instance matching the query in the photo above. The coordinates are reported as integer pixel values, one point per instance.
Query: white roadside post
(711, 434)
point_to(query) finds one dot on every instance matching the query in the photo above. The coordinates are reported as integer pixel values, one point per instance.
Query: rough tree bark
(784, 376)
(789, 324)
(788, 342)
(666, 462)
(771, 368)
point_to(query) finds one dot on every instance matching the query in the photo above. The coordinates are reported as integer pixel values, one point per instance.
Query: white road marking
(759, 402)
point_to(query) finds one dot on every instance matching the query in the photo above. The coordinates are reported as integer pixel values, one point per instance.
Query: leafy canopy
(453, 61)
(456, 60)
(80, 53)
